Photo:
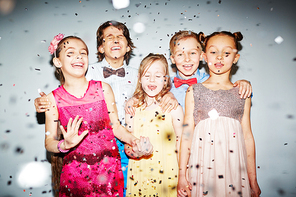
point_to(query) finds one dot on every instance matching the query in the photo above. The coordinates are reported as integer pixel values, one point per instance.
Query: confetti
(33, 174)
(213, 114)
(120, 4)
(279, 40)
(139, 27)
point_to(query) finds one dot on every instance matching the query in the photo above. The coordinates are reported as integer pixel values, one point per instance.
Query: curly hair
(144, 66)
(58, 72)
(125, 31)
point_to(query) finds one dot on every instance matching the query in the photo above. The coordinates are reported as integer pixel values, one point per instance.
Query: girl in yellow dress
(156, 174)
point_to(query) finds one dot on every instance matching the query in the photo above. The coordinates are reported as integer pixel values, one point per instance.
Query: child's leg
(124, 162)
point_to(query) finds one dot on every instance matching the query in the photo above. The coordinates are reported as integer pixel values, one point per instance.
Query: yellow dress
(156, 175)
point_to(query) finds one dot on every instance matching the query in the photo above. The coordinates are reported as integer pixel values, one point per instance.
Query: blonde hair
(144, 66)
(184, 35)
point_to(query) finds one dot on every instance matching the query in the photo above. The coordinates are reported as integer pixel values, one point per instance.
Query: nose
(78, 56)
(219, 56)
(187, 59)
(116, 40)
(152, 78)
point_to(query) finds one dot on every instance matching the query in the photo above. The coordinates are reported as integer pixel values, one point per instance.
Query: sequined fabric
(92, 168)
(226, 102)
(218, 162)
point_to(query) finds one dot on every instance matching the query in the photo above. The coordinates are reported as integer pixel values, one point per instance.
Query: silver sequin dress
(218, 160)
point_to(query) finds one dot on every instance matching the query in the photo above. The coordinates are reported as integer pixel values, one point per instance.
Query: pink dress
(93, 167)
(218, 160)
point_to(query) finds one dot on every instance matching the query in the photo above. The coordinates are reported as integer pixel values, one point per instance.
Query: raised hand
(71, 136)
(41, 103)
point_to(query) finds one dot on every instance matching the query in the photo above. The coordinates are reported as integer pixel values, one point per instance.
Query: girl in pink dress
(87, 115)
(217, 149)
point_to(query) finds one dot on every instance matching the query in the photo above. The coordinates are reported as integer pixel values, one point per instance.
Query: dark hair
(125, 31)
(184, 35)
(58, 72)
(237, 37)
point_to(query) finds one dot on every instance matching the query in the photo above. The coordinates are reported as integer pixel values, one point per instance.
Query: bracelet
(59, 147)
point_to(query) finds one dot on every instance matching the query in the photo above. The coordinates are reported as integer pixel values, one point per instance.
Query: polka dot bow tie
(107, 72)
(178, 82)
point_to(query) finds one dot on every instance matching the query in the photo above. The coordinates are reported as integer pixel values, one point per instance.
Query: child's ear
(128, 48)
(172, 59)
(237, 56)
(201, 55)
(205, 57)
(101, 49)
(57, 63)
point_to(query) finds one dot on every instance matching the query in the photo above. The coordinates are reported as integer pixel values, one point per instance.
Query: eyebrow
(223, 48)
(74, 48)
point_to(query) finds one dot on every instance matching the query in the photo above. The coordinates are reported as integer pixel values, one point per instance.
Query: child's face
(153, 79)
(220, 54)
(114, 44)
(73, 58)
(187, 54)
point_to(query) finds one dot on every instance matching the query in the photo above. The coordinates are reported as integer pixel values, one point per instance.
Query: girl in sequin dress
(217, 142)
(154, 175)
(87, 115)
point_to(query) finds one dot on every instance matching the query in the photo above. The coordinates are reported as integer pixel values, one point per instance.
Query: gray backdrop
(28, 26)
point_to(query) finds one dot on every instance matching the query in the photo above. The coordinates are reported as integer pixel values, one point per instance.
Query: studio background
(268, 61)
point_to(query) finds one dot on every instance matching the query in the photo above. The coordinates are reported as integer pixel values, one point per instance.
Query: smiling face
(187, 55)
(114, 45)
(154, 79)
(73, 58)
(220, 54)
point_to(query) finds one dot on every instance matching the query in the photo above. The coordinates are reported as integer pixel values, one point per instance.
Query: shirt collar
(106, 64)
(195, 75)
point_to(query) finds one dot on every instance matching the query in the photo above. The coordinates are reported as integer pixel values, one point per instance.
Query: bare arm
(250, 146)
(119, 131)
(178, 119)
(186, 140)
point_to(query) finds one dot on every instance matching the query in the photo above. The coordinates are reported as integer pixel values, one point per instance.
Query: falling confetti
(279, 40)
(120, 4)
(139, 27)
(33, 174)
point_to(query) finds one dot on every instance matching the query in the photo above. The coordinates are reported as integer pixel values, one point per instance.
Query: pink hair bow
(54, 43)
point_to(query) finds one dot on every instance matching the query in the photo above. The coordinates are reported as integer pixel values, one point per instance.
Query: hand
(129, 106)
(168, 102)
(41, 103)
(255, 190)
(184, 187)
(71, 136)
(146, 146)
(245, 88)
(142, 147)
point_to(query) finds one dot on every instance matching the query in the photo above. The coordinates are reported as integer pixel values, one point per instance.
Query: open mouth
(152, 87)
(187, 67)
(115, 48)
(219, 65)
(78, 64)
